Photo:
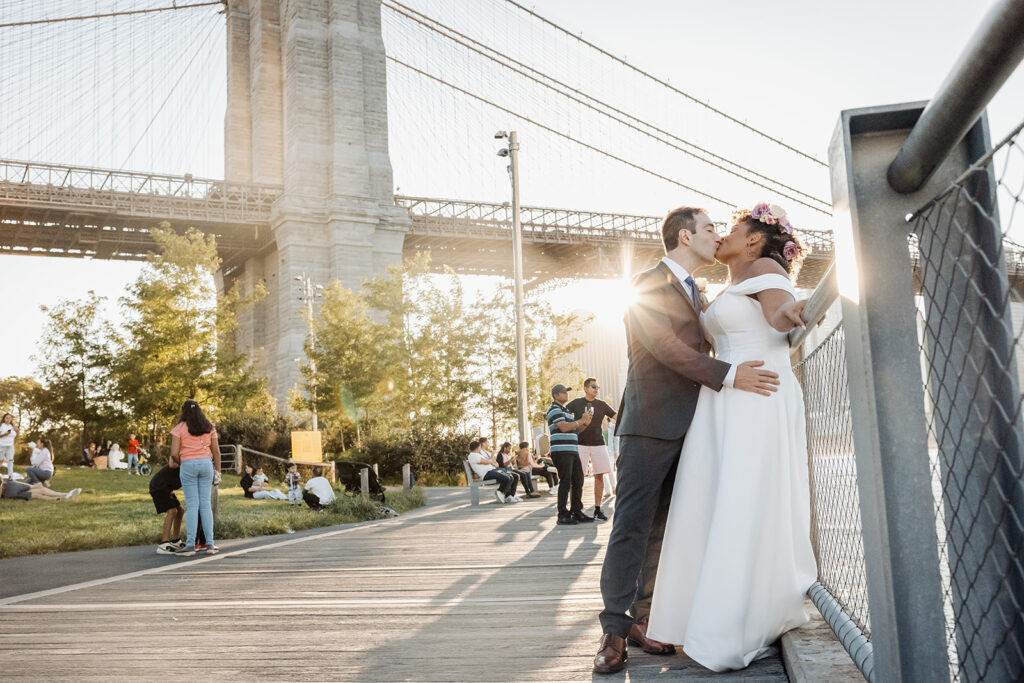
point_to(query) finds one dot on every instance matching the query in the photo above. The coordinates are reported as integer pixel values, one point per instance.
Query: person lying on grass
(16, 490)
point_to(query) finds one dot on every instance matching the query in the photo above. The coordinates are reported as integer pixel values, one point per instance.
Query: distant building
(603, 355)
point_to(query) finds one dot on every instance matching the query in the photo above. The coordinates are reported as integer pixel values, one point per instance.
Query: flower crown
(773, 214)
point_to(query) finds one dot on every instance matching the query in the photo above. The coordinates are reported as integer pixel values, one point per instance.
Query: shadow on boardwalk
(450, 593)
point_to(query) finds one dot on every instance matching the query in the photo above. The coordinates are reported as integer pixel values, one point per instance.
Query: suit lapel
(682, 292)
(677, 284)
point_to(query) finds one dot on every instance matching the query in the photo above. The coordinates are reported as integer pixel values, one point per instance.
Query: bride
(736, 559)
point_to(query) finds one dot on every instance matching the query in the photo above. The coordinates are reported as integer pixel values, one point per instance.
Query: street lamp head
(503, 152)
(500, 134)
(297, 278)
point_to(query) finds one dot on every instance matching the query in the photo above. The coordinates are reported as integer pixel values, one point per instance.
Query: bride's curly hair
(780, 241)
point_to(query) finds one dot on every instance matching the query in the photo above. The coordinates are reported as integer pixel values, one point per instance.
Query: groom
(668, 362)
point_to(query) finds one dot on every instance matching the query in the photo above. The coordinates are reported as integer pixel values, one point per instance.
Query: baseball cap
(559, 388)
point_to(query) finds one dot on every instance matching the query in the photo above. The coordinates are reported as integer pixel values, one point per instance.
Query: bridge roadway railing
(44, 187)
(913, 403)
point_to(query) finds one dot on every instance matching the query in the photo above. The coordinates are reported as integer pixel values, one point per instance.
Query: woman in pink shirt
(194, 446)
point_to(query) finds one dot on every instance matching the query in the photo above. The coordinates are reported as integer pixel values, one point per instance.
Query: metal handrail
(821, 299)
(991, 55)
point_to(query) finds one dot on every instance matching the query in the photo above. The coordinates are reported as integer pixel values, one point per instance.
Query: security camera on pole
(517, 270)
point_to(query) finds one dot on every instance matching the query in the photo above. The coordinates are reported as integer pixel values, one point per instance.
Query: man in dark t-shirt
(592, 446)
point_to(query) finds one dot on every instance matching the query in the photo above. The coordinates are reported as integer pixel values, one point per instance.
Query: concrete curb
(812, 654)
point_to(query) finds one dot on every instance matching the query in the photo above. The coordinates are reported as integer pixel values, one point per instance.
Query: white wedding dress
(737, 558)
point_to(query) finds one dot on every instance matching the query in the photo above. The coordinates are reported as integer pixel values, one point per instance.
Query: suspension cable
(661, 82)
(123, 13)
(559, 133)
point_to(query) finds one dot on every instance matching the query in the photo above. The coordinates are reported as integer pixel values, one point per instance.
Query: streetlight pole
(308, 292)
(512, 151)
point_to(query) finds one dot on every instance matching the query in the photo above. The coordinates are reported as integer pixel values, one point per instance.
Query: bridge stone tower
(307, 109)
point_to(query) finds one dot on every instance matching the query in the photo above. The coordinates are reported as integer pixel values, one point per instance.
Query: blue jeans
(506, 482)
(36, 475)
(133, 461)
(197, 485)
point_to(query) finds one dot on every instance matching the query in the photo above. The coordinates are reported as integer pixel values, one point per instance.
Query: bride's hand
(793, 312)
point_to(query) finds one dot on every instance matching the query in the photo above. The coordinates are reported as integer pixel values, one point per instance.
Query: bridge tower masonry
(307, 109)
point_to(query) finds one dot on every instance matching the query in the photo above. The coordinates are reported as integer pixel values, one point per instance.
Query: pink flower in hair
(760, 211)
(790, 251)
(786, 226)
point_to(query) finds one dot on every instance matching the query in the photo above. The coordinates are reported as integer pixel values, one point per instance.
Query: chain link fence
(970, 314)
(841, 592)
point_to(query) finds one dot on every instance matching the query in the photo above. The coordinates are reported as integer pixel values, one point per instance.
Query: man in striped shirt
(563, 431)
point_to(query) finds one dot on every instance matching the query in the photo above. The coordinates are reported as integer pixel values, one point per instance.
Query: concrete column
(238, 119)
(265, 92)
(318, 126)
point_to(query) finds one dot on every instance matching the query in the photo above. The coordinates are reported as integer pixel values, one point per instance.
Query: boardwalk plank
(492, 593)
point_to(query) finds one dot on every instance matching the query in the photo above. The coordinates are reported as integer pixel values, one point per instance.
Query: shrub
(433, 457)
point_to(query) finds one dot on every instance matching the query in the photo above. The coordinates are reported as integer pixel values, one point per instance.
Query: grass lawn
(115, 510)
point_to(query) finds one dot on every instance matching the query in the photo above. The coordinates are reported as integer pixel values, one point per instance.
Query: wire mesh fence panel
(835, 502)
(972, 287)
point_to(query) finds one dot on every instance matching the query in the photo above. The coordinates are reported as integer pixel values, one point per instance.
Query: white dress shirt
(681, 275)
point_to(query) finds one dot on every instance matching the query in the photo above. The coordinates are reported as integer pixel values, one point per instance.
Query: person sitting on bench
(485, 467)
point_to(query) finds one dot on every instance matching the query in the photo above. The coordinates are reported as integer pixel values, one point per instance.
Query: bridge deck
(446, 593)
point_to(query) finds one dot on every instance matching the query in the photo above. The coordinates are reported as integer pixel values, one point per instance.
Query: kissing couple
(710, 545)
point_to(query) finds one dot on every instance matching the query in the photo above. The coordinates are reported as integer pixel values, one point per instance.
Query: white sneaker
(500, 496)
(553, 491)
(517, 499)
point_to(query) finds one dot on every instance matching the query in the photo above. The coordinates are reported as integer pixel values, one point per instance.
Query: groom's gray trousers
(646, 472)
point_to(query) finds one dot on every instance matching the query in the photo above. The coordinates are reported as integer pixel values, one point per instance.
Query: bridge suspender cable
(505, 61)
(559, 133)
(112, 14)
(657, 80)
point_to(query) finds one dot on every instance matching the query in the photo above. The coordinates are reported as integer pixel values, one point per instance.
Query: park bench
(475, 484)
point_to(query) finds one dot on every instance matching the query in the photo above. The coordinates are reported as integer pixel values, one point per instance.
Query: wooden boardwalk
(447, 593)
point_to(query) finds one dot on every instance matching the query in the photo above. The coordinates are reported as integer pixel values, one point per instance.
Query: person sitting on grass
(293, 480)
(318, 492)
(262, 489)
(88, 455)
(16, 490)
(41, 469)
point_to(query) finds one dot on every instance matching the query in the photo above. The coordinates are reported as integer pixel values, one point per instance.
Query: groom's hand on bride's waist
(750, 377)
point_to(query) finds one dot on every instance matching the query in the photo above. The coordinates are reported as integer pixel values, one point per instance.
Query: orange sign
(306, 447)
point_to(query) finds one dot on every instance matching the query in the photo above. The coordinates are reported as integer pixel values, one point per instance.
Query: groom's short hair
(683, 218)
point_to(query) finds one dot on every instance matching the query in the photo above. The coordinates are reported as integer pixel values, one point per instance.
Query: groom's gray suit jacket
(668, 358)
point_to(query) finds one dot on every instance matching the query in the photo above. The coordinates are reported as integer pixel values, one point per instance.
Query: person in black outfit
(246, 481)
(592, 446)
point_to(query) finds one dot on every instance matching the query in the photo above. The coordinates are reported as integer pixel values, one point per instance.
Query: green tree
(23, 397)
(347, 358)
(432, 342)
(551, 337)
(73, 363)
(180, 341)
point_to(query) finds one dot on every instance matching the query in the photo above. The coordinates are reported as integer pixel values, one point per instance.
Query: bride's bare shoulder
(767, 266)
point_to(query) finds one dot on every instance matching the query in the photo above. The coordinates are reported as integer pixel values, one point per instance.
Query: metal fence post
(875, 276)
(364, 483)
(973, 384)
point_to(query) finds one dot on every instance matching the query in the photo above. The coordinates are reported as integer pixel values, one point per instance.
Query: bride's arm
(780, 307)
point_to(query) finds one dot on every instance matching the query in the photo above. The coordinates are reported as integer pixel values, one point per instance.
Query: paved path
(447, 593)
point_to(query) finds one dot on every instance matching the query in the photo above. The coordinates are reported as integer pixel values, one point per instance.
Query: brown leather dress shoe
(638, 637)
(612, 656)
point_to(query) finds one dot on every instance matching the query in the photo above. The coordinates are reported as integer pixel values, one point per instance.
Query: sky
(787, 67)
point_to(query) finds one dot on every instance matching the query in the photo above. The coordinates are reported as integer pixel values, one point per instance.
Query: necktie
(694, 294)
